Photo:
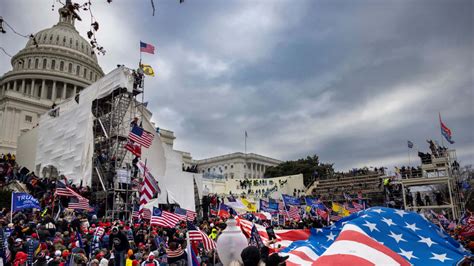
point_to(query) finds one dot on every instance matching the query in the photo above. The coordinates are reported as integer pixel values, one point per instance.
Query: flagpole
(409, 159)
(245, 137)
(11, 209)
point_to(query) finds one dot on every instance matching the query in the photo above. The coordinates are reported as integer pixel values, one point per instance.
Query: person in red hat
(150, 261)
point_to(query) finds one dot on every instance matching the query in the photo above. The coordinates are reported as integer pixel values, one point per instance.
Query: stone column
(75, 90)
(43, 89)
(14, 85)
(32, 92)
(22, 89)
(8, 86)
(53, 97)
(64, 91)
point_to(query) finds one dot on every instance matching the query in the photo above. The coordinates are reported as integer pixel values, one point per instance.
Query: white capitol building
(57, 67)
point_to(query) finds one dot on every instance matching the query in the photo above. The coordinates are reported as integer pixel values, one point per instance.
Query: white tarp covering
(66, 141)
(176, 186)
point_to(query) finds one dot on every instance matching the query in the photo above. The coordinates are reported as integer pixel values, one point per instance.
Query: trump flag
(22, 201)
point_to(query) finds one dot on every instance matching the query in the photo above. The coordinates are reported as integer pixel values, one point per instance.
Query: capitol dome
(54, 66)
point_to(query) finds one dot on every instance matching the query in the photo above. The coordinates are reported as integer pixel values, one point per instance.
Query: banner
(289, 200)
(22, 201)
(271, 207)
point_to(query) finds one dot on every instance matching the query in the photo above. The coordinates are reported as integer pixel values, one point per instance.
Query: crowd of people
(55, 236)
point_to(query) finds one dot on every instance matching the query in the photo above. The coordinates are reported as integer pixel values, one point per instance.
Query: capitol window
(29, 63)
(44, 63)
(61, 66)
(53, 64)
(36, 63)
(28, 118)
(69, 69)
(78, 70)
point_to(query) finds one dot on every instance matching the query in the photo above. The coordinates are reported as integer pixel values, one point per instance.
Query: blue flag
(289, 200)
(408, 234)
(255, 239)
(22, 201)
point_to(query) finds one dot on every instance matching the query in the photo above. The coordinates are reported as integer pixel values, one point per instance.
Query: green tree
(310, 167)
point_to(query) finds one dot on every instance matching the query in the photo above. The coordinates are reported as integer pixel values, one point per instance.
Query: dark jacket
(119, 242)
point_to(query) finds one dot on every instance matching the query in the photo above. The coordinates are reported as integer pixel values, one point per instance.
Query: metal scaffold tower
(439, 174)
(113, 115)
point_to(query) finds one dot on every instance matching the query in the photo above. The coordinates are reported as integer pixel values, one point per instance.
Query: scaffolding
(440, 170)
(111, 128)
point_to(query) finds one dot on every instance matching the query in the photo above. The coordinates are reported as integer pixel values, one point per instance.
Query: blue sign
(271, 207)
(22, 201)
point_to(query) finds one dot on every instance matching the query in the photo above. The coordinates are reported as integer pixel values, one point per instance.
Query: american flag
(141, 136)
(164, 218)
(135, 212)
(378, 236)
(147, 48)
(149, 186)
(79, 204)
(66, 191)
(294, 213)
(368, 251)
(194, 234)
(189, 215)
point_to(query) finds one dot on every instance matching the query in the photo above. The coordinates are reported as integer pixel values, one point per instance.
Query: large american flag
(164, 218)
(377, 236)
(66, 191)
(186, 214)
(194, 234)
(77, 201)
(141, 136)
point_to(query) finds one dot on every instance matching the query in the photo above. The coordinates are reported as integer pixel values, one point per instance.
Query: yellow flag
(250, 206)
(337, 207)
(148, 70)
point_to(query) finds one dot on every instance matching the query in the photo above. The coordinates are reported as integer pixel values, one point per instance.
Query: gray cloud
(350, 81)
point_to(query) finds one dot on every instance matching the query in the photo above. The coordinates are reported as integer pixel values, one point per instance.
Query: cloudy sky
(351, 81)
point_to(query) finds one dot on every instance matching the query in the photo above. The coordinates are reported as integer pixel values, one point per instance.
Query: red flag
(134, 148)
